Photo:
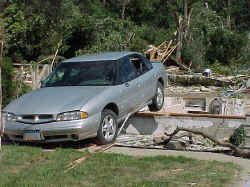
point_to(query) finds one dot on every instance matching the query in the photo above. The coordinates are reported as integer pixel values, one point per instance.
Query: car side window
(148, 63)
(139, 64)
(127, 71)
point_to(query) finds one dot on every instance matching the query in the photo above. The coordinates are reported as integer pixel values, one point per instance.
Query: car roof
(105, 56)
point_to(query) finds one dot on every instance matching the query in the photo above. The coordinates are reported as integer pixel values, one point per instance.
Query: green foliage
(8, 86)
(218, 68)
(225, 46)
(193, 53)
(32, 31)
(238, 136)
(91, 26)
(204, 22)
(141, 13)
(110, 34)
(238, 10)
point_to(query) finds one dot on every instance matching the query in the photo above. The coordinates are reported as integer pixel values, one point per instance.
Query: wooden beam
(171, 114)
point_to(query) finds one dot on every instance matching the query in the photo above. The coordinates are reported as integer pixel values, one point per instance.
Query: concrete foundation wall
(229, 106)
(217, 127)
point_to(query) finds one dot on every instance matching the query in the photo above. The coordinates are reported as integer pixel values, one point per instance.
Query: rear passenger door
(129, 90)
(145, 78)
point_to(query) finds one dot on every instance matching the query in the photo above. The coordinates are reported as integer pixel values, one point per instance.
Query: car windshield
(82, 74)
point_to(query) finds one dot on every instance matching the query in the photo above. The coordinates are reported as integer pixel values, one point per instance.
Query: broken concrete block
(176, 145)
(158, 139)
(248, 118)
(204, 89)
(248, 83)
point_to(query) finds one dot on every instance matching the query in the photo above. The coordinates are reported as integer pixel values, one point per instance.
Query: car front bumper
(53, 131)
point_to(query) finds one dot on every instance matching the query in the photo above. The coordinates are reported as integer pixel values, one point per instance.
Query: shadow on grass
(52, 145)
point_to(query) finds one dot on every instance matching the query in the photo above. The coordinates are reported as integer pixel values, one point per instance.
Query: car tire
(158, 100)
(108, 127)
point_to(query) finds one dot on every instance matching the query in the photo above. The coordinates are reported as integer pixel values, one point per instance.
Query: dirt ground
(244, 175)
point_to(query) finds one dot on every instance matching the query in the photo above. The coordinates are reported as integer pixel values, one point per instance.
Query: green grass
(31, 166)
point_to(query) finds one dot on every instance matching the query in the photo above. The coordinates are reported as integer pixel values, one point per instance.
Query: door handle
(126, 84)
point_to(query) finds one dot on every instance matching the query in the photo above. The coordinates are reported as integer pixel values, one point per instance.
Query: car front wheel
(158, 100)
(108, 127)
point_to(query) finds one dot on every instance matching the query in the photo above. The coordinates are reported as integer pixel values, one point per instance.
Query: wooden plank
(19, 64)
(152, 114)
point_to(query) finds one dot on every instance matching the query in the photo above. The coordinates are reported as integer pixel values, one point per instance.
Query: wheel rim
(159, 97)
(108, 127)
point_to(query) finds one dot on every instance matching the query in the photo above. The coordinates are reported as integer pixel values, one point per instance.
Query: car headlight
(8, 116)
(74, 115)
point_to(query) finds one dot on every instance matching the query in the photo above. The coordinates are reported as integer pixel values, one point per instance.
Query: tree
(183, 19)
(225, 46)
(124, 4)
(235, 13)
(1, 93)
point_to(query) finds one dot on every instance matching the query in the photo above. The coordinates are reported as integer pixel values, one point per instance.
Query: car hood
(54, 100)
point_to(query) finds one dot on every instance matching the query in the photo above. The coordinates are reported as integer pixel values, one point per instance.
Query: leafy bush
(112, 34)
(238, 136)
(8, 86)
(225, 46)
(193, 52)
(219, 68)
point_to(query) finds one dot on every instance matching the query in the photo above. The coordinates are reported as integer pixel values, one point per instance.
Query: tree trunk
(1, 96)
(182, 27)
(185, 28)
(123, 10)
(236, 151)
(104, 2)
(124, 5)
(179, 28)
(206, 4)
(229, 14)
(35, 73)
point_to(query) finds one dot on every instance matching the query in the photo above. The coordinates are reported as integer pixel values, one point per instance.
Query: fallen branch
(78, 161)
(180, 64)
(236, 151)
(55, 55)
(125, 45)
(104, 147)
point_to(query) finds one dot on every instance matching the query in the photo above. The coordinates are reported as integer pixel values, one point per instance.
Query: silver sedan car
(86, 97)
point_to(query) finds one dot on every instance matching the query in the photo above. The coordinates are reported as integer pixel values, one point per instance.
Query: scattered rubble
(198, 79)
(235, 150)
(248, 83)
(180, 142)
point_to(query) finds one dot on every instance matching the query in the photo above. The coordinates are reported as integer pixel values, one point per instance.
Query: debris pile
(161, 52)
(189, 142)
(182, 141)
(182, 79)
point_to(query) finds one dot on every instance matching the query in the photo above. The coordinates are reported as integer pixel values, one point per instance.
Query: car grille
(36, 119)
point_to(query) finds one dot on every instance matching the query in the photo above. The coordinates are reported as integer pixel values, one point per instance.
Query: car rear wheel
(108, 127)
(158, 100)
